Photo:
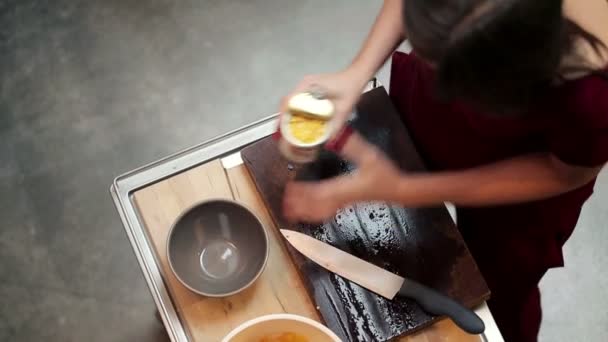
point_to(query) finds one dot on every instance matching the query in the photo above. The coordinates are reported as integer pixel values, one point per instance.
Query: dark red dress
(513, 245)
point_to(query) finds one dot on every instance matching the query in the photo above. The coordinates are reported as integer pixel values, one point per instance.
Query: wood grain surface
(422, 244)
(279, 289)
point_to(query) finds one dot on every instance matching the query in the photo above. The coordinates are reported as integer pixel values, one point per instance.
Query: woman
(507, 102)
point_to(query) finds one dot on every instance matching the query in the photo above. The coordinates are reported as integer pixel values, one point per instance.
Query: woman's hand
(342, 88)
(375, 179)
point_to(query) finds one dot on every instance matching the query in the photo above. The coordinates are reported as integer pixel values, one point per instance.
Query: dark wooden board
(422, 244)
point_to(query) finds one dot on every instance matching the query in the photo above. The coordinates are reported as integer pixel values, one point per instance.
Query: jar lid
(311, 104)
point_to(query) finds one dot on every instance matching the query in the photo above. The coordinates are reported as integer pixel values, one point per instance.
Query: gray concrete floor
(89, 90)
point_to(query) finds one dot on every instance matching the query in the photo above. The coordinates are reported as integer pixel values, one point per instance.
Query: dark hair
(496, 54)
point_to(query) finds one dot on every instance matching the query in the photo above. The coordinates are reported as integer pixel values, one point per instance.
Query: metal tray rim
(125, 185)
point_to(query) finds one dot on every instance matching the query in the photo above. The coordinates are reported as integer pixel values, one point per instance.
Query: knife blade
(383, 282)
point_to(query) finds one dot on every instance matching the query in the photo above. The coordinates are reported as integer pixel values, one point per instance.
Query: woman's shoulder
(591, 15)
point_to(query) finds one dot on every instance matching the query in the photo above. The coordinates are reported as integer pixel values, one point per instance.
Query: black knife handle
(438, 304)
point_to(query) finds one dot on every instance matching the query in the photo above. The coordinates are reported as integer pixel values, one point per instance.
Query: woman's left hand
(375, 179)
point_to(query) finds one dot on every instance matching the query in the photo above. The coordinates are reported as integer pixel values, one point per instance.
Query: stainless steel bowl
(217, 248)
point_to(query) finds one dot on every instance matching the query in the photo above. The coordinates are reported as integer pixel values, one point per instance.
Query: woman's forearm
(385, 36)
(521, 179)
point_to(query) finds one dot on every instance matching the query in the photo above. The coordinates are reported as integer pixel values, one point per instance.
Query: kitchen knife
(383, 282)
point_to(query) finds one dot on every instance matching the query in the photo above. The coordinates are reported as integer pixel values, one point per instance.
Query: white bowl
(258, 328)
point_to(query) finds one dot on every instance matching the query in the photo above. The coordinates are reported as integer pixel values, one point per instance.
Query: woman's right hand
(342, 88)
(377, 178)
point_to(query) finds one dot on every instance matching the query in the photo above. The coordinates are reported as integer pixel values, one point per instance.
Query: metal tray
(226, 146)
(125, 185)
